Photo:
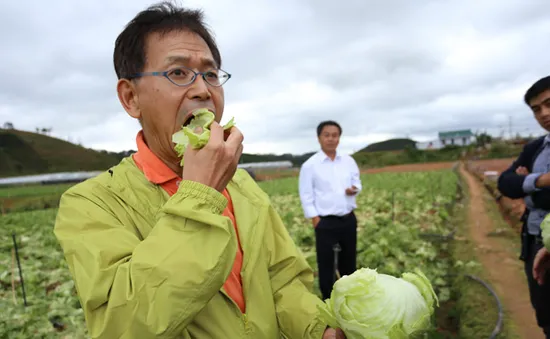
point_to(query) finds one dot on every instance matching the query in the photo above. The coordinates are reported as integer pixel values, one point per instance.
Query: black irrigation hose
(500, 320)
(443, 237)
(498, 326)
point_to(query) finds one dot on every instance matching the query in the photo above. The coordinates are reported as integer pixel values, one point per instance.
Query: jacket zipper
(245, 319)
(243, 316)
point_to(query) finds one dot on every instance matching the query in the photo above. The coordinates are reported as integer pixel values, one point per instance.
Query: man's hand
(522, 171)
(215, 164)
(351, 190)
(331, 333)
(541, 264)
(315, 221)
(543, 181)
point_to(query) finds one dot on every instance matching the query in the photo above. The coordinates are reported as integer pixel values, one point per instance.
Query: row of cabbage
(403, 223)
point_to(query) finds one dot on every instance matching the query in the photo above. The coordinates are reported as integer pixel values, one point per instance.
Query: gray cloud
(382, 69)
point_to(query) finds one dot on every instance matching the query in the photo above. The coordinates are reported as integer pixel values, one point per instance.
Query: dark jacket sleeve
(510, 184)
(541, 199)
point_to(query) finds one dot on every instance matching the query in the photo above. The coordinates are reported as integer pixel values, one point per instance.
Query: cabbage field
(403, 224)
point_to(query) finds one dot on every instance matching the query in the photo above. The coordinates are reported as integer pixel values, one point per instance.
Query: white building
(458, 138)
(450, 138)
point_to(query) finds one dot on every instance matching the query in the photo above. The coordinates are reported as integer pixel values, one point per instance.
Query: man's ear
(128, 97)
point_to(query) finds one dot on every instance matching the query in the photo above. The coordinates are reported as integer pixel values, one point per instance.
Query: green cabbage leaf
(196, 133)
(370, 305)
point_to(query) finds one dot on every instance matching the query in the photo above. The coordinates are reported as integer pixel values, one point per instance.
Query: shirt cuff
(310, 212)
(529, 183)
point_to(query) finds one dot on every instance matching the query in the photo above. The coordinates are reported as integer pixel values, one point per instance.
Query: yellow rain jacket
(147, 265)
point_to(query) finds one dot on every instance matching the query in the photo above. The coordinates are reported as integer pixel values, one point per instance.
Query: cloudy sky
(383, 69)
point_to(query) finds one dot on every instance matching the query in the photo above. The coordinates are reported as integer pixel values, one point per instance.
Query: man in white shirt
(329, 182)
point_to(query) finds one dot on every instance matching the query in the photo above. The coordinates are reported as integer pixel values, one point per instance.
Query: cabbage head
(369, 305)
(196, 133)
(545, 230)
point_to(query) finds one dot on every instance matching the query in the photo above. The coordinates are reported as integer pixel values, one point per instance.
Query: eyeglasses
(183, 76)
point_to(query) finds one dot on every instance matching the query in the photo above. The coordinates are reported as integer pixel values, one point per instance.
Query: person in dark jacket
(529, 178)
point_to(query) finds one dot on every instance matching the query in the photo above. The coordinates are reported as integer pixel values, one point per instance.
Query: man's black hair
(328, 123)
(163, 18)
(536, 89)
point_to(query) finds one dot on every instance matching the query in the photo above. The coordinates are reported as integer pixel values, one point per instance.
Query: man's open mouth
(187, 120)
(189, 116)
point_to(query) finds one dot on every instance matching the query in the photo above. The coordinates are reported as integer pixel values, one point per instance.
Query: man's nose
(198, 89)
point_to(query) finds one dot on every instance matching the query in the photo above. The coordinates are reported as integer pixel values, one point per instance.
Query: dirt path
(503, 268)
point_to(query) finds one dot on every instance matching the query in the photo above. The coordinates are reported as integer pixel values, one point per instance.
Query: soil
(412, 167)
(498, 165)
(502, 266)
(512, 208)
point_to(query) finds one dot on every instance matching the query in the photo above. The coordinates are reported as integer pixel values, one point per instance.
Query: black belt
(330, 216)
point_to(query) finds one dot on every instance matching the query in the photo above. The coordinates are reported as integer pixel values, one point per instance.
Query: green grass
(32, 190)
(29, 198)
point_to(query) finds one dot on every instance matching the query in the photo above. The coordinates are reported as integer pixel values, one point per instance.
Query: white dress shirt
(323, 184)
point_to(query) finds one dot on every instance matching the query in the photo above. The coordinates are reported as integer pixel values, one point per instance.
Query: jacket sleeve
(292, 284)
(510, 184)
(151, 288)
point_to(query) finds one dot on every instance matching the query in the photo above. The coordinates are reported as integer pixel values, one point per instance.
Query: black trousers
(330, 231)
(540, 295)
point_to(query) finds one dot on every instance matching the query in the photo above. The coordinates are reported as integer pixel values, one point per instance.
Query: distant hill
(27, 153)
(390, 145)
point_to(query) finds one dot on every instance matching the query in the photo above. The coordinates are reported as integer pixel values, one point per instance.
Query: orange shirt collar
(153, 168)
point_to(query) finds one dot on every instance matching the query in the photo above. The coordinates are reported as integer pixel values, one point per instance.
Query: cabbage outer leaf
(367, 304)
(197, 133)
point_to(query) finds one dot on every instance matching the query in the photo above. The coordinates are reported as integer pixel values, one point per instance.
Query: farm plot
(401, 219)
(402, 222)
(33, 197)
(52, 305)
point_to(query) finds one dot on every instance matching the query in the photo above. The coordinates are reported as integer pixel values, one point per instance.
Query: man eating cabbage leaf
(161, 251)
